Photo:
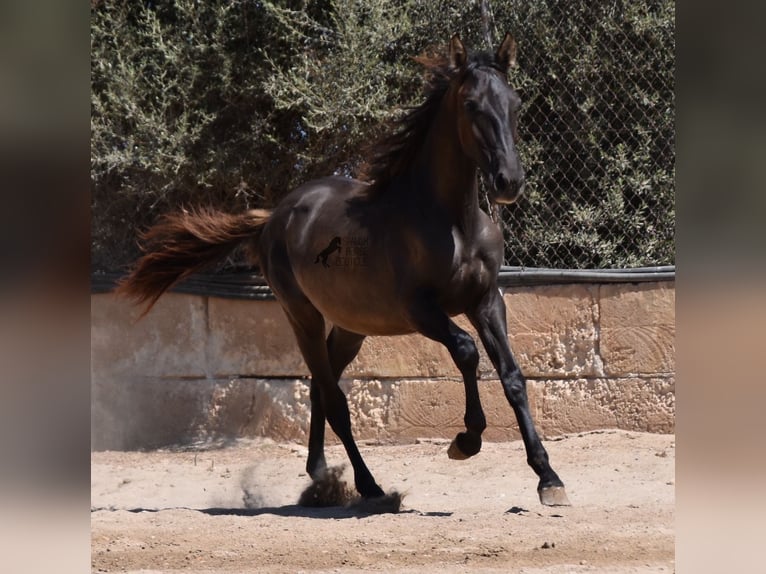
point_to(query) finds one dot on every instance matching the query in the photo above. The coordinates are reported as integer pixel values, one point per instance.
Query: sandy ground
(232, 508)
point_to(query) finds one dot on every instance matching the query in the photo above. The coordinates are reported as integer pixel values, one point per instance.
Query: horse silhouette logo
(327, 251)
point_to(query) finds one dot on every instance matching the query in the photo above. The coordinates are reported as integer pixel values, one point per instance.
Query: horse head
(487, 108)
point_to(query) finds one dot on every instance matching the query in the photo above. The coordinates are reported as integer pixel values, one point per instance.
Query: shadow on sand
(291, 510)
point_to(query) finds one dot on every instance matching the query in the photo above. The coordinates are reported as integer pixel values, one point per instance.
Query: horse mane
(394, 153)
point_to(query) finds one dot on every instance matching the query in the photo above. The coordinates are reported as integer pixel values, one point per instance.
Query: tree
(234, 103)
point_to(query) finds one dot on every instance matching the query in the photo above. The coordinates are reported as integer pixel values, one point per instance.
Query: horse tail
(181, 244)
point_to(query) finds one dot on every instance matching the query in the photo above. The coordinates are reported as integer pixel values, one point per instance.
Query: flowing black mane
(394, 153)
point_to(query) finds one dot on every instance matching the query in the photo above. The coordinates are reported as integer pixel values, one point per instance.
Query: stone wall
(595, 356)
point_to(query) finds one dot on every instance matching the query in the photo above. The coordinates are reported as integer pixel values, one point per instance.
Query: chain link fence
(597, 136)
(184, 112)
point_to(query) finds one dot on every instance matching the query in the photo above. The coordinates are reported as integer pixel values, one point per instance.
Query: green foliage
(344, 77)
(179, 116)
(598, 134)
(234, 103)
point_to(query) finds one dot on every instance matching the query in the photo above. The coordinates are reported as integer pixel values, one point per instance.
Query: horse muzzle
(506, 189)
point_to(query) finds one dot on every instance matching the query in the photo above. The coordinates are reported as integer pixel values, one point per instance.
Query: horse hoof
(454, 451)
(389, 503)
(464, 446)
(554, 496)
(371, 492)
(327, 489)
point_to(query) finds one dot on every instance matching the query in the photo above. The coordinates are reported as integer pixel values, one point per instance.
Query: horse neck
(450, 175)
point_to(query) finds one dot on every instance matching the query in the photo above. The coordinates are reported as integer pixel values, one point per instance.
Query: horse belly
(341, 258)
(355, 303)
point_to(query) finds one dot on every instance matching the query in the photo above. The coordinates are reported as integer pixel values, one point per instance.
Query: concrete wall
(596, 356)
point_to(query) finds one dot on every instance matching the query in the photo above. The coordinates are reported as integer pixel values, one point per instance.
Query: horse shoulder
(487, 243)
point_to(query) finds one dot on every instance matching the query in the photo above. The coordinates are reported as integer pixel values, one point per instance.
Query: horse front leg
(435, 324)
(490, 321)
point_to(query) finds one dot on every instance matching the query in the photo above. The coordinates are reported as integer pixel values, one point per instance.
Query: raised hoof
(454, 451)
(464, 446)
(554, 496)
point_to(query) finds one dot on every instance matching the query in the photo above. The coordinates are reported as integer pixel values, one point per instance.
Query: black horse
(430, 252)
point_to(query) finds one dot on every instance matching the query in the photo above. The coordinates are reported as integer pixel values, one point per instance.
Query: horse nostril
(501, 182)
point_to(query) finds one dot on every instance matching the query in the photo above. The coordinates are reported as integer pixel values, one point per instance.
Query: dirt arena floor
(233, 508)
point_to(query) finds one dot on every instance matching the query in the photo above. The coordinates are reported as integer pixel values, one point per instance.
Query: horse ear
(506, 53)
(457, 53)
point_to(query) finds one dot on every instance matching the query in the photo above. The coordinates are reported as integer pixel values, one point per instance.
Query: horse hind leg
(308, 325)
(342, 348)
(316, 463)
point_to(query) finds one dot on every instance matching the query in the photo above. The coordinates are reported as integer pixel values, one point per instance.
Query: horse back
(361, 260)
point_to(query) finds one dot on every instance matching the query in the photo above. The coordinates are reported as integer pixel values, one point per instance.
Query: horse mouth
(507, 196)
(506, 200)
(505, 189)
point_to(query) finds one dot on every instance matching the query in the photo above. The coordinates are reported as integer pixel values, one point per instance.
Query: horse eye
(471, 106)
